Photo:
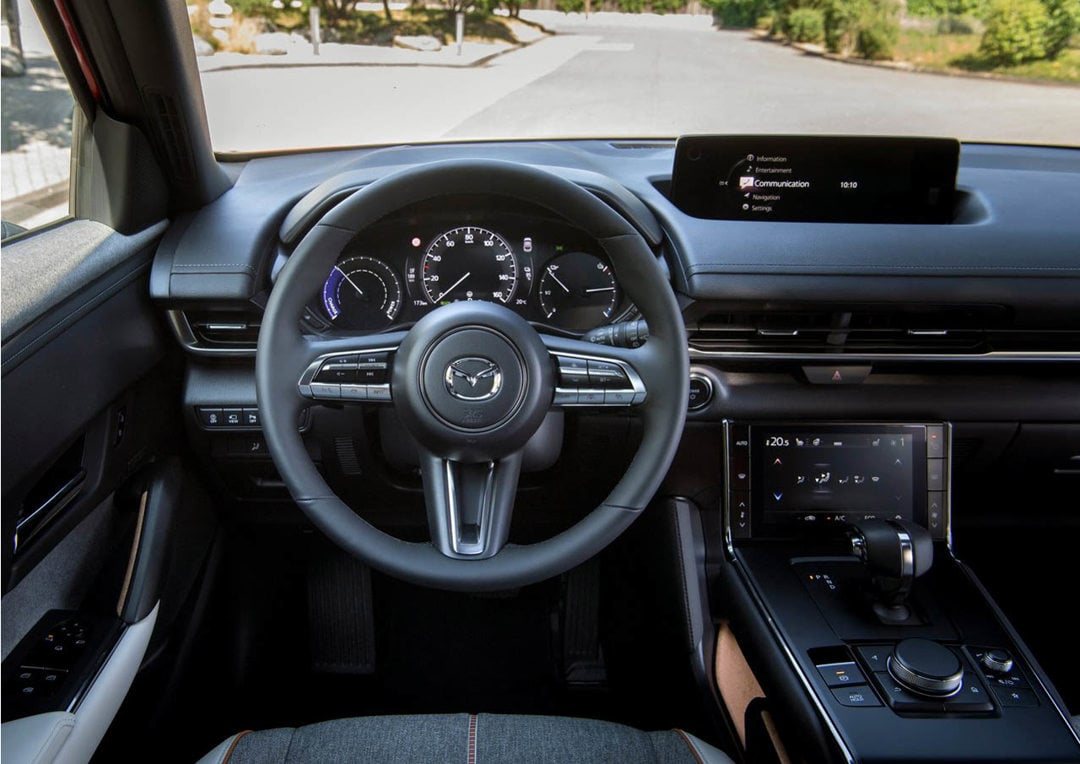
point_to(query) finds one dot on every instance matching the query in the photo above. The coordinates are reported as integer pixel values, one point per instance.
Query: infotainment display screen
(806, 476)
(820, 179)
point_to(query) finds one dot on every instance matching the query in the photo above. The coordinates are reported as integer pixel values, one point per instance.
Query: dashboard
(469, 248)
(830, 358)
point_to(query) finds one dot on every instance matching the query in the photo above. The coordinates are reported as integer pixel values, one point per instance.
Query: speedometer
(469, 263)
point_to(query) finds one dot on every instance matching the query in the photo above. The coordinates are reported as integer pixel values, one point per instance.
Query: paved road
(626, 76)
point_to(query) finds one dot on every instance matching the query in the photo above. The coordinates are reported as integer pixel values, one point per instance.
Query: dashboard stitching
(216, 266)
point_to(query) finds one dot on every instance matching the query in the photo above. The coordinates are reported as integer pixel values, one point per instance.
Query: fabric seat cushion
(466, 738)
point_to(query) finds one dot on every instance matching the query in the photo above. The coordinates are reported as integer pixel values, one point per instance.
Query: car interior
(755, 448)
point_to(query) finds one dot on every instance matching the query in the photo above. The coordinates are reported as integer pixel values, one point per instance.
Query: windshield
(292, 75)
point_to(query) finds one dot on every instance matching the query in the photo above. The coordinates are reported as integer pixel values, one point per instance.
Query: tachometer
(578, 291)
(362, 293)
(469, 263)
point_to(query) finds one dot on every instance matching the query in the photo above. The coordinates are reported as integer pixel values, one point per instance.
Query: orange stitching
(229, 753)
(472, 739)
(689, 745)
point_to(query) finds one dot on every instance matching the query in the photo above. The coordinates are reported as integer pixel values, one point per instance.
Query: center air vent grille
(922, 330)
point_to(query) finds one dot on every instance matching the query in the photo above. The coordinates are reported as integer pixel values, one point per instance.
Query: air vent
(874, 330)
(225, 331)
(216, 332)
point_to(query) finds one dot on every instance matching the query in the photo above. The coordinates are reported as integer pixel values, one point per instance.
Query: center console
(839, 533)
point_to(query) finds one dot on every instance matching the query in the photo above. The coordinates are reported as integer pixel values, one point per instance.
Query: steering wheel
(472, 382)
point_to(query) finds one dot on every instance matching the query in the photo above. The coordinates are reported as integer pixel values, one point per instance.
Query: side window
(37, 114)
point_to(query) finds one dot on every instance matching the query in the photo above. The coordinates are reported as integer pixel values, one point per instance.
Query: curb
(817, 51)
(481, 61)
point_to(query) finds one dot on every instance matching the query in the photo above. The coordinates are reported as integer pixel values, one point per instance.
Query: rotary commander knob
(926, 668)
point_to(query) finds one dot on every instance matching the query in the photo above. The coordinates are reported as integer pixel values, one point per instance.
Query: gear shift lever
(896, 553)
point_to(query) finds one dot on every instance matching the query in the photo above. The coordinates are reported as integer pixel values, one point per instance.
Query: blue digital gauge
(362, 293)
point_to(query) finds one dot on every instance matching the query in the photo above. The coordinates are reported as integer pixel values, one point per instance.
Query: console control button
(251, 417)
(997, 660)
(935, 474)
(902, 701)
(1016, 697)
(972, 698)
(740, 514)
(841, 674)
(233, 417)
(210, 417)
(935, 441)
(836, 375)
(740, 472)
(926, 668)
(875, 656)
(855, 697)
(701, 392)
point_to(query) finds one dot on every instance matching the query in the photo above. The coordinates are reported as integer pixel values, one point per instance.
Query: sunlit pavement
(36, 113)
(625, 75)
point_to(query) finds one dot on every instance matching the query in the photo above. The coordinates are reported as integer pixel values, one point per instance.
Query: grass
(960, 53)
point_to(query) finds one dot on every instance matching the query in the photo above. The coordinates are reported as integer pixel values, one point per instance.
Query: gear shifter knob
(896, 553)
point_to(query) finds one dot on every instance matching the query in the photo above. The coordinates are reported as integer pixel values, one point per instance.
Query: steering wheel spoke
(595, 376)
(348, 369)
(469, 505)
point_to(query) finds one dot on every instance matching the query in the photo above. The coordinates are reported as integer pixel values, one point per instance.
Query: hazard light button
(836, 375)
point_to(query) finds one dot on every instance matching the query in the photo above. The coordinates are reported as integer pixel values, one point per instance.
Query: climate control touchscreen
(784, 479)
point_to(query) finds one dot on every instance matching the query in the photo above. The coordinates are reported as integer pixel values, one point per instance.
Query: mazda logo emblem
(473, 379)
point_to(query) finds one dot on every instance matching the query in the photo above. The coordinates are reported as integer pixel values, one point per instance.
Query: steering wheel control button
(573, 372)
(595, 382)
(373, 368)
(701, 392)
(354, 392)
(379, 393)
(606, 374)
(324, 390)
(841, 674)
(565, 397)
(926, 668)
(856, 697)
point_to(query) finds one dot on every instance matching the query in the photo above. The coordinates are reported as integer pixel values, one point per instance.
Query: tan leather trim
(774, 738)
(735, 681)
(133, 556)
(229, 753)
(690, 745)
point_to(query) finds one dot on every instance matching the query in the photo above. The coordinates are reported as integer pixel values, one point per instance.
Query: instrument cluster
(396, 271)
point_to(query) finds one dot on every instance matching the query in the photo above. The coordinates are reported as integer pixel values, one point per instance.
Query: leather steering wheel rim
(662, 363)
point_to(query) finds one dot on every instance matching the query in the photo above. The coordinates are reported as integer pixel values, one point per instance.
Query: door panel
(74, 419)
